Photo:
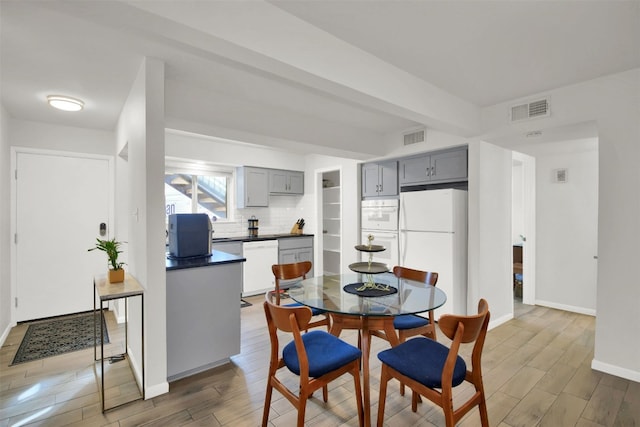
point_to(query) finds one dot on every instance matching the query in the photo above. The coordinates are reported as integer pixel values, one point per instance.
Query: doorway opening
(559, 216)
(523, 187)
(331, 220)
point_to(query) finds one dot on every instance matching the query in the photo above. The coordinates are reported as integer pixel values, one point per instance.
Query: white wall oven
(379, 218)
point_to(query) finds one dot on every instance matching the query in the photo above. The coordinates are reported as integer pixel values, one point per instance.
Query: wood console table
(105, 292)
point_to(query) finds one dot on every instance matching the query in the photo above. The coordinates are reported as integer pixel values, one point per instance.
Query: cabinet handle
(433, 171)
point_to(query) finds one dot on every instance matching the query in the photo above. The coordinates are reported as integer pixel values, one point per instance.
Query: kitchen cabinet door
(369, 179)
(296, 182)
(388, 179)
(288, 256)
(286, 182)
(380, 179)
(253, 187)
(278, 181)
(415, 170)
(434, 167)
(449, 165)
(296, 249)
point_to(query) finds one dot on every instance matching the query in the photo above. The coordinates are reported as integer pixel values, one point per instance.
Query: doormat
(59, 335)
(244, 303)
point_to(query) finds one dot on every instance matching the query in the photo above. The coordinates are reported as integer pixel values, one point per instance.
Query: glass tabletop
(327, 293)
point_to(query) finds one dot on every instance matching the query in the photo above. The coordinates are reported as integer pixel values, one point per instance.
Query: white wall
(614, 103)
(231, 153)
(5, 220)
(141, 200)
(433, 140)
(567, 226)
(47, 136)
(490, 251)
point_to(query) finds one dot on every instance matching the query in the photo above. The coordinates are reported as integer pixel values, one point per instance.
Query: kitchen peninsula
(203, 312)
(203, 299)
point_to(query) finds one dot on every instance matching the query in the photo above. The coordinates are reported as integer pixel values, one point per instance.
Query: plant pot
(116, 276)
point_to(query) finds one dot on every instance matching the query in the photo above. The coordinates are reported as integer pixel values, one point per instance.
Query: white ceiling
(477, 53)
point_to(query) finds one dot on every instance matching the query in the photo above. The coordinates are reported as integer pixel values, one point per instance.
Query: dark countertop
(216, 258)
(220, 257)
(258, 238)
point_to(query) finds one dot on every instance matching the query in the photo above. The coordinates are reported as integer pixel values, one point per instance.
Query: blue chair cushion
(325, 353)
(422, 359)
(409, 322)
(314, 311)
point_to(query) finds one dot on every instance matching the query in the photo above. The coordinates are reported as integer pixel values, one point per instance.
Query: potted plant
(112, 249)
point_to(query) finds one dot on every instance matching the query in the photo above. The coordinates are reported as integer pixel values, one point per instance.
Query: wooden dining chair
(296, 270)
(432, 370)
(317, 357)
(412, 325)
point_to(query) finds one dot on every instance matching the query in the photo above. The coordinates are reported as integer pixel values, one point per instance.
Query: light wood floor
(536, 372)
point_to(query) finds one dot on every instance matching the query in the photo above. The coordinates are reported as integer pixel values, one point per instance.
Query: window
(197, 191)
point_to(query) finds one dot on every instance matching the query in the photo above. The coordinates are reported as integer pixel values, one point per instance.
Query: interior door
(61, 200)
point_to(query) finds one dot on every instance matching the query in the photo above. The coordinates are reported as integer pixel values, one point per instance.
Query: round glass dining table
(372, 315)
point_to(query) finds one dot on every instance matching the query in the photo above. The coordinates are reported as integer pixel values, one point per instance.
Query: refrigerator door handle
(403, 247)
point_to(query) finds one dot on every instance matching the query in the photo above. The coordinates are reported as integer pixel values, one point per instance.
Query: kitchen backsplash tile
(279, 217)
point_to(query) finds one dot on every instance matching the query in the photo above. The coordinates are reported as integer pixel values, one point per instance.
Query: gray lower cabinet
(380, 179)
(434, 167)
(203, 317)
(295, 249)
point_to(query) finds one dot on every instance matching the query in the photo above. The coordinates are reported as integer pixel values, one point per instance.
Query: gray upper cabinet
(380, 179)
(286, 182)
(253, 187)
(438, 166)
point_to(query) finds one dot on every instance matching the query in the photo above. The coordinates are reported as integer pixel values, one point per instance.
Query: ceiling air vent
(530, 110)
(414, 137)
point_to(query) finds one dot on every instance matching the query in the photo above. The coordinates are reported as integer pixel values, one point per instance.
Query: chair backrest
(289, 272)
(428, 277)
(473, 326)
(280, 317)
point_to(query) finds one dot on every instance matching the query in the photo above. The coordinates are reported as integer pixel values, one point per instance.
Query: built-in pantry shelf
(331, 222)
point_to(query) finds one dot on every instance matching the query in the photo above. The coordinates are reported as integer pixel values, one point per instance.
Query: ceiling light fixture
(65, 103)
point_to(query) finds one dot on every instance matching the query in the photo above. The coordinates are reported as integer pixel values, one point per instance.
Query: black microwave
(189, 235)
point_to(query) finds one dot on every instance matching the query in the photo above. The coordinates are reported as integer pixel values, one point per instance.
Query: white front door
(61, 200)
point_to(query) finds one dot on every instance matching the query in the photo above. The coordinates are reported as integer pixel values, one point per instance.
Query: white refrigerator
(433, 237)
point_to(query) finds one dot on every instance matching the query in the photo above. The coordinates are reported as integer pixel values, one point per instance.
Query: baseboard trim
(615, 370)
(566, 307)
(500, 320)
(5, 333)
(156, 390)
